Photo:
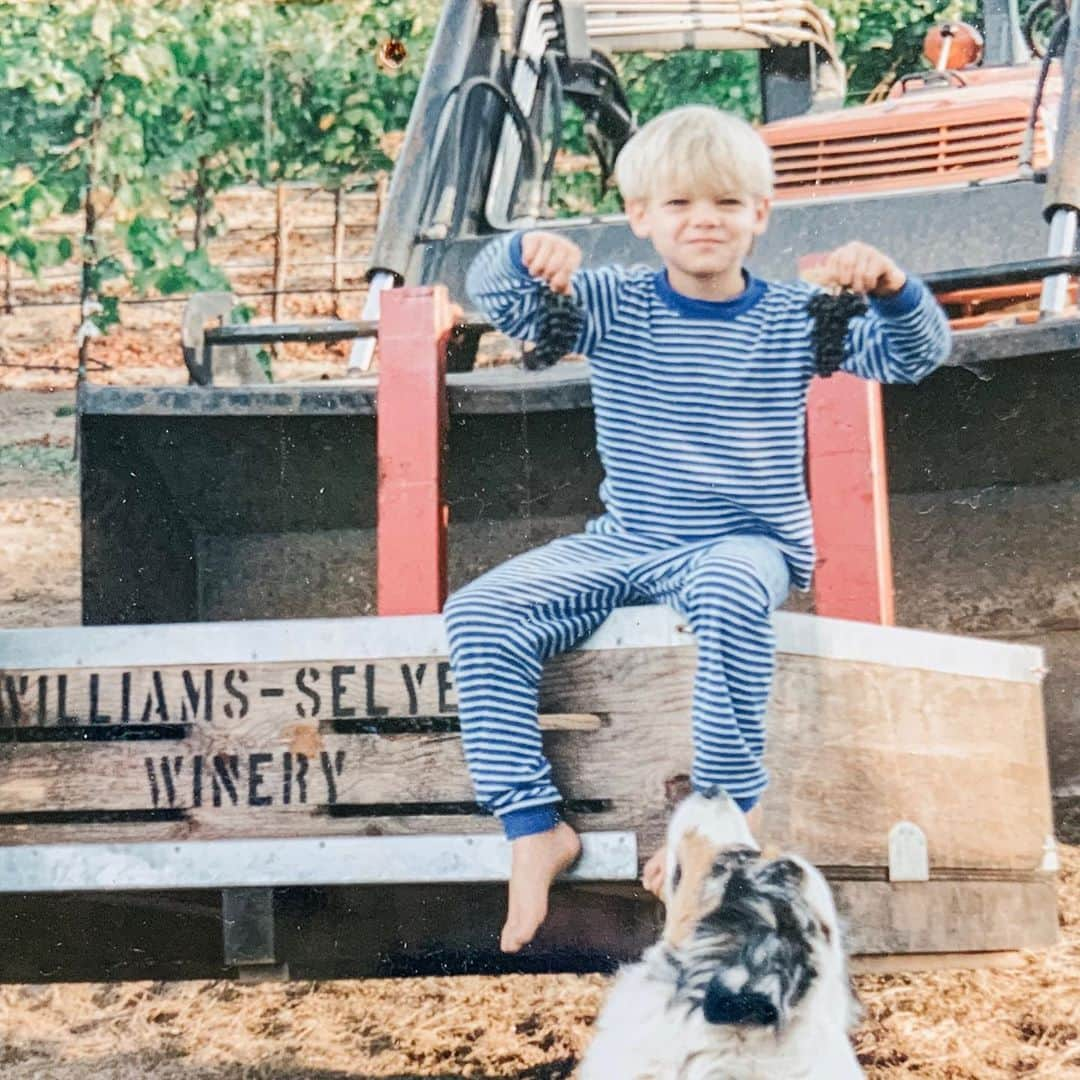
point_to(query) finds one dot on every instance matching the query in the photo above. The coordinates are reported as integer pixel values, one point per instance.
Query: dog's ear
(723, 1006)
(685, 887)
(734, 858)
(781, 873)
(789, 875)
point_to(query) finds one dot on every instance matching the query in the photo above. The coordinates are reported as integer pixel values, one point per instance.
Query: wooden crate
(348, 727)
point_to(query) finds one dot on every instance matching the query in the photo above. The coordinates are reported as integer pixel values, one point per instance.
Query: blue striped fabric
(700, 419)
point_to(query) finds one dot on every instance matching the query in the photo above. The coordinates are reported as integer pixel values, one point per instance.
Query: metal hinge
(909, 857)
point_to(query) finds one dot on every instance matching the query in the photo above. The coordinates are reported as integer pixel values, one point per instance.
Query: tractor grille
(887, 160)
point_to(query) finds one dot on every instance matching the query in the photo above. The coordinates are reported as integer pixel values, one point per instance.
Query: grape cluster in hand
(557, 328)
(831, 315)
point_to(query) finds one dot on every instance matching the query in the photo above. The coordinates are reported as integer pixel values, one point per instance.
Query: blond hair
(697, 149)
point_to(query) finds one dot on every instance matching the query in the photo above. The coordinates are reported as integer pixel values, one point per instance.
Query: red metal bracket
(850, 497)
(414, 325)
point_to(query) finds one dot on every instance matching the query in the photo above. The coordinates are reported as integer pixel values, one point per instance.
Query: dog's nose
(723, 1006)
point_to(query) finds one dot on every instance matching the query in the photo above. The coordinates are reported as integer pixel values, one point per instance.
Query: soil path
(39, 516)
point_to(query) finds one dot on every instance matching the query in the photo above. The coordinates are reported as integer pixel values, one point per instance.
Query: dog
(748, 982)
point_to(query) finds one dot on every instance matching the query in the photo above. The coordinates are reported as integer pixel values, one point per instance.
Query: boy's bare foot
(652, 876)
(535, 863)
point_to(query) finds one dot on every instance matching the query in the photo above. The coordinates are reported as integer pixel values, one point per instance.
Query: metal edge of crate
(297, 861)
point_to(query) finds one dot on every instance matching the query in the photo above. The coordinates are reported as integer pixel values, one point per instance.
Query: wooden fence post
(382, 185)
(339, 246)
(9, 307)
(281, 254)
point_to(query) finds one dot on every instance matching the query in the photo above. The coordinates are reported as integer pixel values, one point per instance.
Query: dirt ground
(980, 1025)
(957, 1025)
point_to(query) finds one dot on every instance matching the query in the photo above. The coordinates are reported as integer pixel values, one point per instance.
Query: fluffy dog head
(749, 938)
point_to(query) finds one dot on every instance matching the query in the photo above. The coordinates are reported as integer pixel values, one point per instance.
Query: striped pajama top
(700, 405)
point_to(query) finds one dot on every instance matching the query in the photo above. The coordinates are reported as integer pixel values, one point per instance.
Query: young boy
(699, 377)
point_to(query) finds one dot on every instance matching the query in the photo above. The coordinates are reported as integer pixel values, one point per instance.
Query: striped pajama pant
(503, 626)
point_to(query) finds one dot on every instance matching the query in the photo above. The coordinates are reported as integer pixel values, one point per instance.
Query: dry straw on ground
(957, 1025)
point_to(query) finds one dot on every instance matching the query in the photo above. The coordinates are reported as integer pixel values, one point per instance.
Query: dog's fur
(749, 981)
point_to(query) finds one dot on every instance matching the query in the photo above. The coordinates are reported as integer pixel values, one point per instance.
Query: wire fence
(353, 218)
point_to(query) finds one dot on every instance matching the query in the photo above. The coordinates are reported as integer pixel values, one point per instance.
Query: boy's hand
(551, 258)
(862, 269)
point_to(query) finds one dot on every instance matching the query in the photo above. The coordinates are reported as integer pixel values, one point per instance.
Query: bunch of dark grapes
(557, 328)
(831, 315)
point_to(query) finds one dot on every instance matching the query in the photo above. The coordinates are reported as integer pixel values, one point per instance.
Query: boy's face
(700, 235)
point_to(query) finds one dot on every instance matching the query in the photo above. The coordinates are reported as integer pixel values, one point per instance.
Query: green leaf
(109, 315)
(24, 251)
(879, 41)
(265, 362)
(101, 25)
(132, 64)
(107, 269)
(173, 279)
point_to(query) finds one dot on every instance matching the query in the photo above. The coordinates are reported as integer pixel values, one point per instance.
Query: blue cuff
(746, 803)
(530, 820)
(903, 303)
(515, 254)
